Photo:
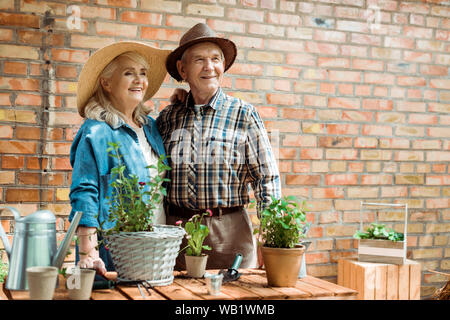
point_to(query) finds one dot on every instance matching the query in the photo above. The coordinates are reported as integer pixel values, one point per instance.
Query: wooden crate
(381, 281)
(382, 251)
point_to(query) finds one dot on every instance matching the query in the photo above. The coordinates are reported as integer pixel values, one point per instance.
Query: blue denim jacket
(91, 177)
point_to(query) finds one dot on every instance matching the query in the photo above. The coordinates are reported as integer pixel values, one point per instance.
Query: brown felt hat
(200, 33)
(92, 69)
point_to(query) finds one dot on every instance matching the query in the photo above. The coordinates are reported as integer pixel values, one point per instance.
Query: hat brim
(227, 46)
(92, 69)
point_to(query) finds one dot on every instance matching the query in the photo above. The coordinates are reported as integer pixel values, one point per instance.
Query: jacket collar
(215, 102)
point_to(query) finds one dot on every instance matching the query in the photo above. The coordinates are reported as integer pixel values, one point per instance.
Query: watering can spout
(60, 255)
(3, 235)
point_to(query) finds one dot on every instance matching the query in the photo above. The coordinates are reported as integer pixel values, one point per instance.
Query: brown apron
(229, 234)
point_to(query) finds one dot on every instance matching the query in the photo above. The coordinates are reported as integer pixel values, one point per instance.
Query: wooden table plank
(176, 292)
(334, 288)
(107, 294)
(133, 293)
(275, 292)
(199, 288)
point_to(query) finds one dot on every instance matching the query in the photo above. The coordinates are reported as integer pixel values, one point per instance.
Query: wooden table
(252, 285)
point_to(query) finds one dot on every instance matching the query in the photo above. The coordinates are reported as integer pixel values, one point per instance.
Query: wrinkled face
(127, 85)
(202, 66)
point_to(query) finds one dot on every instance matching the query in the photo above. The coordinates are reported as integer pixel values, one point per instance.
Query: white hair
(99, 106)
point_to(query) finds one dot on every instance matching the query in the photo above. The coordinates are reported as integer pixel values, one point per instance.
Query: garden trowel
(232, 273)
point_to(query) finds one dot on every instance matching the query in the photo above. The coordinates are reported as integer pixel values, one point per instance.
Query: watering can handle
(64, 246)
(3, 235)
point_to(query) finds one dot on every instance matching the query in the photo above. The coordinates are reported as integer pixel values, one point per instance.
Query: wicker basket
(146, 256)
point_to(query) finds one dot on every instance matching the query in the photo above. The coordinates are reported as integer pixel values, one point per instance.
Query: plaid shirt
(216, 151)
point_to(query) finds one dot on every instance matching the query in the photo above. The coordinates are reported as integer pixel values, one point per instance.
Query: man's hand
(179, 95)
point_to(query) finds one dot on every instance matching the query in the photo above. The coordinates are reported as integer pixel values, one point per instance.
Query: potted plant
(282, 225)
(140, 250)
(380, 244)
(196, 233)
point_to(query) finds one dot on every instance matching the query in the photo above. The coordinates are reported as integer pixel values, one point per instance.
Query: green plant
(196, 233)
(133, 202)
(379, 231)
(282, 223)
(3, 271)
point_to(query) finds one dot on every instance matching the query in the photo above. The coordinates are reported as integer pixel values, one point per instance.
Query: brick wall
(356, 93)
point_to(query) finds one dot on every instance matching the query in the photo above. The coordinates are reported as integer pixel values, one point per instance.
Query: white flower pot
(79, 284)
(42, 282)
(196, 265)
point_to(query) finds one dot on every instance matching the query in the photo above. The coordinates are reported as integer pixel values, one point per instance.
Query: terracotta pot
(282, 265)
(196, 265)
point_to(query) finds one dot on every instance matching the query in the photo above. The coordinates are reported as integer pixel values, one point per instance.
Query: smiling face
(127, 85)
(202, 66)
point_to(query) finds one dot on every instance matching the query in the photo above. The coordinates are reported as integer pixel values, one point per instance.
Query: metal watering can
(34, 244)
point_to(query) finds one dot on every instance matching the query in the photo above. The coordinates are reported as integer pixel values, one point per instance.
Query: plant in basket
(282, 225)
(140, 249)
(196, 233)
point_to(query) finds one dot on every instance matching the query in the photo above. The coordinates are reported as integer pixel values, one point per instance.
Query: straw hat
(200, 33)
(101, 58)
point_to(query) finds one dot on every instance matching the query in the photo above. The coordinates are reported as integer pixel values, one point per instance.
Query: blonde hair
(99, 106)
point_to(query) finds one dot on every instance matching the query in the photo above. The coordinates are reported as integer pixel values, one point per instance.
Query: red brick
(322, 48)
(377, 104)
(70, 55)
(419, 57)
(19, 84)
(24, 99)
(365, 64)
(343, 129)
(28, 178)
(302, 179)
(61, 163)
(246, 69)
(28, 133)
(341, 179)
(117, 3)
(343, 103)
(311, 154)
(22, 147)
(19, 20)
(15, 68)
(335, 142)
(282, 99)
(376, 130)
(12, 162)
(66, 71)
(333, 62)
(30, 37)
(22, 195)
(411, 81)
(291, 113)
(244, 14)
(345, 76)
(116, 29)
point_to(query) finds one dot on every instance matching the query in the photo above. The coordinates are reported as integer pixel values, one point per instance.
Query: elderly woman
(113, 86)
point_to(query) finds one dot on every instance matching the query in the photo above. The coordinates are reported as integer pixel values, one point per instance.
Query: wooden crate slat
(415, 275)
(392, 282)
(403, 282)
(380, 282)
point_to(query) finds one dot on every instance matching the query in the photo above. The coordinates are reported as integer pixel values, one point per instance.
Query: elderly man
(218, 147)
